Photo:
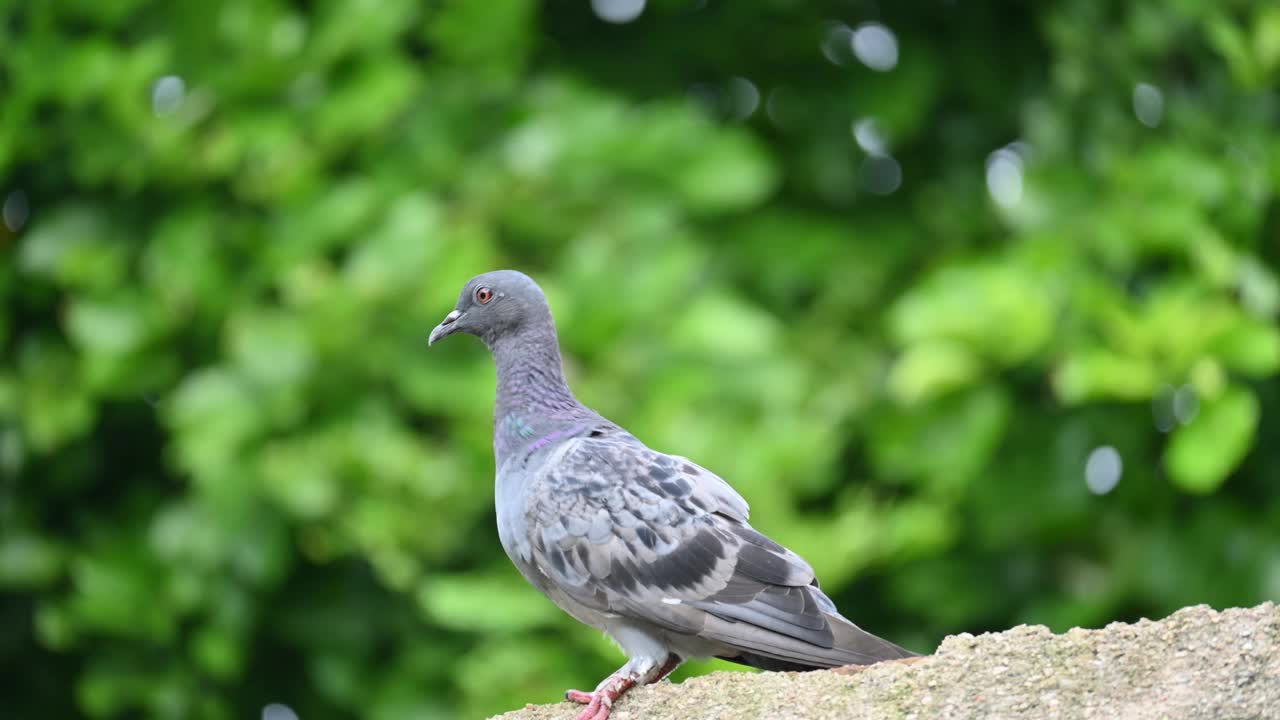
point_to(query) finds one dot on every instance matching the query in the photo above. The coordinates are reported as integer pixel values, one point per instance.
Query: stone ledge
(1197, 663)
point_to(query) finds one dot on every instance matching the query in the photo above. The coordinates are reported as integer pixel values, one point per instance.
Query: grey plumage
(651, 548)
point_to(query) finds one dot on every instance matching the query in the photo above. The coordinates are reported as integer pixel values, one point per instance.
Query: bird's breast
(509, 505)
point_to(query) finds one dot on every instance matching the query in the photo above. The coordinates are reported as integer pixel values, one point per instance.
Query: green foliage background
(232, 474)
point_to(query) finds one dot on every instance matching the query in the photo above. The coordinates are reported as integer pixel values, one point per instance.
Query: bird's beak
(446, 328)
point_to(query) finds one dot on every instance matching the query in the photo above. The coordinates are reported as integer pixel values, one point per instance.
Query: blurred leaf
(213, 414)
(302, 476)
(718, 324)
(1095, 374)
(73, 245)
(1266, 38)
(1251, 347)
(494, 37)
(218, 651)
(729, 173)
(945, 443)
(998, 309)
(1202, 454)
(929, 369)
(1229, 40)
(463, 602)
(28, 560)
(270, 348)
(111, 328)
(54, 409)
(396, 256)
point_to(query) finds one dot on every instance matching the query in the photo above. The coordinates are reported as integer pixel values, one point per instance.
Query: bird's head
(494, 305)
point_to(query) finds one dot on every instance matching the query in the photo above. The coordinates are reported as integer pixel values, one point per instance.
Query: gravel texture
(1197, 663)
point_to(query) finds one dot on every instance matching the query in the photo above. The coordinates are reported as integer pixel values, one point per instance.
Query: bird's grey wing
(626, 530)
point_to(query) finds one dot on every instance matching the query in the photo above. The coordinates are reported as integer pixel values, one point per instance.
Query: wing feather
(629, 531)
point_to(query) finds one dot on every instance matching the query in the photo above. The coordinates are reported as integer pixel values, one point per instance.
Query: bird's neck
(534, 404)
(531, 382)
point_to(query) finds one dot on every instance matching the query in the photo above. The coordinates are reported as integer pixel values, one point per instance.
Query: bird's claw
(598, 704)
(582, 698)
(600, 701)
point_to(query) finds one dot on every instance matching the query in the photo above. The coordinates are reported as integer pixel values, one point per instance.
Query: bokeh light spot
(876, 46)
(1103, 469)
(869, 137)
(1004, 177)
(617, 12)
(744, 97)
(881, 174)
(1186, 404)
(167, 95)
(782, 108)
(837, 44)
(276, 711)
(1148, 104)
(16, 210)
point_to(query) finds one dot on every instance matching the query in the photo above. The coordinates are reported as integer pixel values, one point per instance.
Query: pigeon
(650, 548)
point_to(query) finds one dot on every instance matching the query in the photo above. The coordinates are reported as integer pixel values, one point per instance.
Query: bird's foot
(600, 702)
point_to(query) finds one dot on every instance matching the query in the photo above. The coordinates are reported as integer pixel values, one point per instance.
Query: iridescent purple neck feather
(533, 406)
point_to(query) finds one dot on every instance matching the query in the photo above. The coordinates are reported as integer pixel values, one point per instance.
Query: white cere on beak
(443, 328)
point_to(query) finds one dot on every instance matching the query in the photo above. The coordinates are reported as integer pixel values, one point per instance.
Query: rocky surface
(1197, 663)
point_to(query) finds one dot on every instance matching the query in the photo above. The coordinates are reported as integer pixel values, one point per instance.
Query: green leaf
(499, 601)
(1230, 41)
(55, 408)
(945, 443)
(28, 561)
(218, 651)
(1203, 453)
(929, 369)
(270, 347)
(729, 173)
(301, 475)
(1099, 374)
(490, 39)
(397, 255)
(110, 327)
(723, 325)
(1250, 346)
(211, 414)
(1266, 38)
(998, 308)
(77, 246)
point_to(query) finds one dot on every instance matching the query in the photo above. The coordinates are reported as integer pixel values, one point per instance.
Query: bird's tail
(851, 646)
(851, 638)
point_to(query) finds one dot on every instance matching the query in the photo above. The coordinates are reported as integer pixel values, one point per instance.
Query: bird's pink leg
(600, 701)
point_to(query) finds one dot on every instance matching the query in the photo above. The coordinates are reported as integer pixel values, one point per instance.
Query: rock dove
(650, 548)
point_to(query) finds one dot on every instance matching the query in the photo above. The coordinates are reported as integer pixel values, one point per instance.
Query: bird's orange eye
(484, 295)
